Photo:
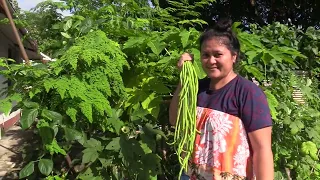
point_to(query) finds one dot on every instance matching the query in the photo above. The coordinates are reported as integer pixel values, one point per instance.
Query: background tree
(262, 12)
(40, 22)
(101, 110)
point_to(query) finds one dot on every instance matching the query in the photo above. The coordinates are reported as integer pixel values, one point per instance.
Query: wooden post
(15, 31)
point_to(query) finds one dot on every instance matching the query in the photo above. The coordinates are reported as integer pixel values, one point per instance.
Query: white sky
(28, 4)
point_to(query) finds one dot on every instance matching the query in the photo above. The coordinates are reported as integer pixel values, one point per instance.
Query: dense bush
(101, 110)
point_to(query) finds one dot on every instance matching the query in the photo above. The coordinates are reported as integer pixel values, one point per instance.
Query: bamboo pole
(15, 31)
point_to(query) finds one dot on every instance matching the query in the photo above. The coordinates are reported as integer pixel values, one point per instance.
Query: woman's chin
(214, 75)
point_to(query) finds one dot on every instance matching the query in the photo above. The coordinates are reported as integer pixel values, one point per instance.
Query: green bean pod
(186, 129)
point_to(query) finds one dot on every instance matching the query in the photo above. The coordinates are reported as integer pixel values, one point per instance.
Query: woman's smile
(213, 68)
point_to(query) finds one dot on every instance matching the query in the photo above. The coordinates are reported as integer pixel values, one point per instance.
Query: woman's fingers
(184, 57)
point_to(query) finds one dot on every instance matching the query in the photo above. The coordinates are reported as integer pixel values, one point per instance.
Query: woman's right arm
(173, 110)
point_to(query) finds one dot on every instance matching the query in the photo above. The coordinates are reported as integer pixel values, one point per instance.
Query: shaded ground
(12, 147)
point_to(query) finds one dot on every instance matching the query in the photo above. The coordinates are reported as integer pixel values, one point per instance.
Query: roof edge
(23, 31)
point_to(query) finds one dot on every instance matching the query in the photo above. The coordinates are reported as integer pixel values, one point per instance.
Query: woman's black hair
(223, 30)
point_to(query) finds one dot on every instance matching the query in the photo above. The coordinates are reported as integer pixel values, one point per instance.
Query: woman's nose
(212, 60)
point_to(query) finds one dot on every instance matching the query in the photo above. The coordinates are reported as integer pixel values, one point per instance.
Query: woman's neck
(216, 84)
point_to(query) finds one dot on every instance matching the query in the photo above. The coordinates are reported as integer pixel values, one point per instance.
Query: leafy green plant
(101, 110)
(272, 55)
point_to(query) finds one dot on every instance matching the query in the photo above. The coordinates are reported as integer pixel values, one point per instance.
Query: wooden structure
(12, 47)
(297, 94)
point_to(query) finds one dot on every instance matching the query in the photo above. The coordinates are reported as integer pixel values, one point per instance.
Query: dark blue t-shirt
(241, 98)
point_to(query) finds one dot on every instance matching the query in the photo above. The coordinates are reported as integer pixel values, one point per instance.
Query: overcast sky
(28, 4)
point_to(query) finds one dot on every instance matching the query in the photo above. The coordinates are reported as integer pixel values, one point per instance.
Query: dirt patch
(12, 149)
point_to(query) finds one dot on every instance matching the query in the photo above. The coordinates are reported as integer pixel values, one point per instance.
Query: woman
(232, 115)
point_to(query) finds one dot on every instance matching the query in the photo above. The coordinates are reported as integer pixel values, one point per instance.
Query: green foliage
(39, 20)
(188, 12)
(273, 54)
(101, 110)
(27, 170)
(45, 166)
(28, 117)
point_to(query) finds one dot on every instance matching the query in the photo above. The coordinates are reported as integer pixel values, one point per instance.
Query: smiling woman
(233, 115)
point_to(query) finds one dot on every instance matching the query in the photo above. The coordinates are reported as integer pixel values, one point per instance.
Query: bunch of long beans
(186, 130)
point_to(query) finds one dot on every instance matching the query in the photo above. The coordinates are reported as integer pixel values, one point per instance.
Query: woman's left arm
(256, 116)
(262, 153)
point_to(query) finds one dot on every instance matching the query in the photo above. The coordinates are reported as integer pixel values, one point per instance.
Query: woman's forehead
(214, 44)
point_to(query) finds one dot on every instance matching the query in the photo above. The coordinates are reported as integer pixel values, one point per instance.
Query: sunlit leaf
(68, 25)
(184, 37)
(66, 35)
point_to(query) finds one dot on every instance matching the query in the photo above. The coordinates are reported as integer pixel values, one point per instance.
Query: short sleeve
(203, 84)
(255, 111)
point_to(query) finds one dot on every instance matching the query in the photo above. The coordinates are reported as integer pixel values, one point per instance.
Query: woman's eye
(217, 55)
(205, 56)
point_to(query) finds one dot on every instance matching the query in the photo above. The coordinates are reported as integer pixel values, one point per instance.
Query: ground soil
(12, 150)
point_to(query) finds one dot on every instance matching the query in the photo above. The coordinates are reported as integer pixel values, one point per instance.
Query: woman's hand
(183, 58)
(173, 110)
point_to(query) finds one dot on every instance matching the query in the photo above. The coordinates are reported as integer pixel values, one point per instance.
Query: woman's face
(217, 60)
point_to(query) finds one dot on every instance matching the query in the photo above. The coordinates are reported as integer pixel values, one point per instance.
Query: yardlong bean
(186, 129)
